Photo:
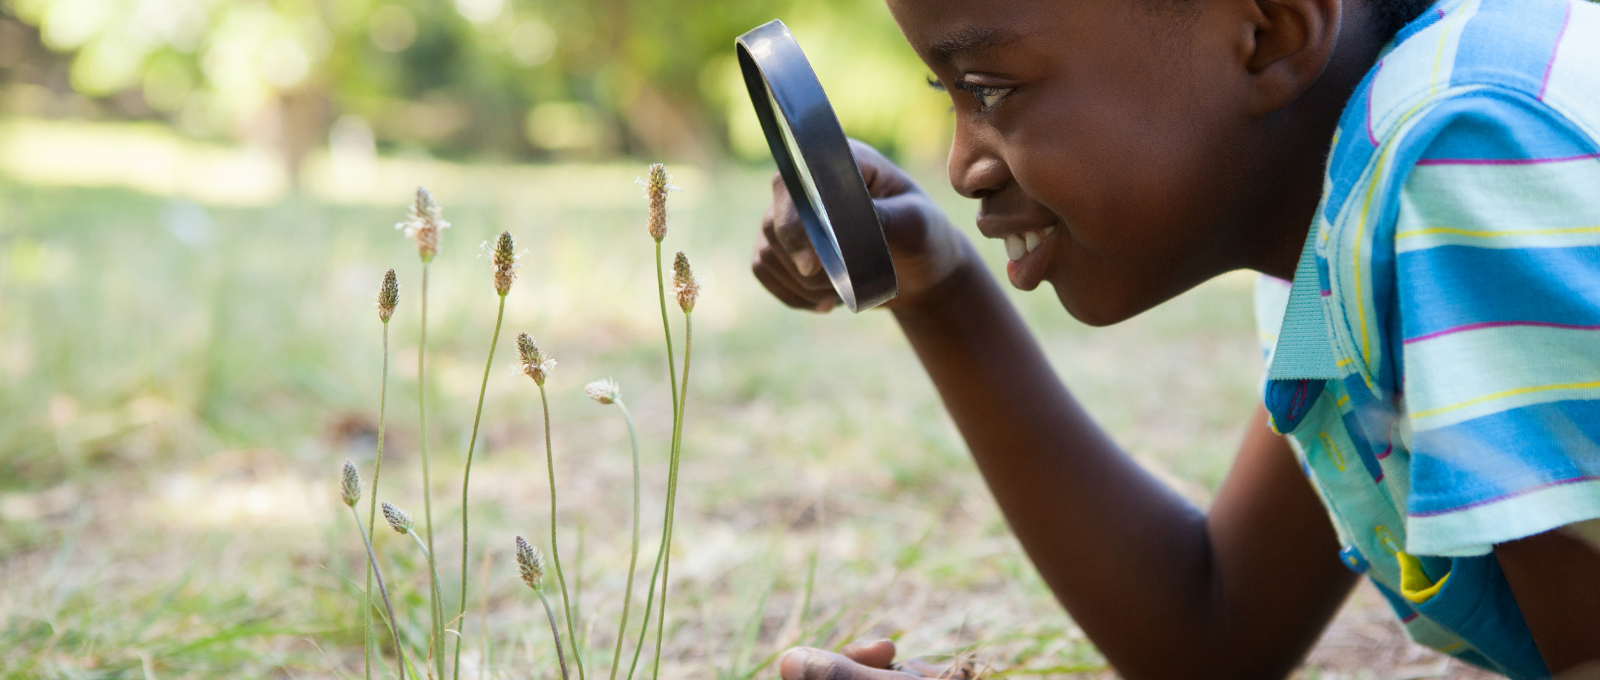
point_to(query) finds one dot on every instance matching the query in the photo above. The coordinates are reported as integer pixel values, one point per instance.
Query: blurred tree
(498, 79)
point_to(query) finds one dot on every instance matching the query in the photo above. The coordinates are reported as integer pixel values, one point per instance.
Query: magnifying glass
(815, 160)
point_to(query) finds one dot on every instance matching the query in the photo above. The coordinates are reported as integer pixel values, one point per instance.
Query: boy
(1437, 373)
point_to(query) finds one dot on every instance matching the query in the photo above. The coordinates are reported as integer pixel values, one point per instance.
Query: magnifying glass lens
(813, 196)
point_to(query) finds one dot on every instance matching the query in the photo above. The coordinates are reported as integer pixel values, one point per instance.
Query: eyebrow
(969, 39)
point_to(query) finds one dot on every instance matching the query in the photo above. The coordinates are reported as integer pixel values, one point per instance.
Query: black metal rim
(860, 269)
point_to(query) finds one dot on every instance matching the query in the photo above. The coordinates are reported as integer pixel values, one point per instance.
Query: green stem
(577, 594)
(649, 602)
(555, 552)
(422, 409)
(633, 558)
(467, 477)
(372, 561)
(666, 330)
(438, 612)
(372, 506)
(672, 489)
(672, 375)
(555, 631)
(488, 657)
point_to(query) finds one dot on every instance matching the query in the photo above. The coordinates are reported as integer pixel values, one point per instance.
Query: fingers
(804, 663)
(785, 230)
(774, 272)
(784, 261)
(875, 654)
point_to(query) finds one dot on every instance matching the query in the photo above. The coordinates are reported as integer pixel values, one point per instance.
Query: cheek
(1143, 188)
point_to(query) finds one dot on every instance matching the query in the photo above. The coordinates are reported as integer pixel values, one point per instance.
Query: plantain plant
(424, 225)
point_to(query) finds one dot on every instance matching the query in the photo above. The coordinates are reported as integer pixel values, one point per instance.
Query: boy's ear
(1292, 44)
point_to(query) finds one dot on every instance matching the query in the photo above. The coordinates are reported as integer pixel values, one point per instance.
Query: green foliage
(497, 78)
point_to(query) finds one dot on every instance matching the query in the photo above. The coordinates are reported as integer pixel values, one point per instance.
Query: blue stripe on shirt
(1504, 454)
(1455, 286)
(1488, 126)
(1509, 43)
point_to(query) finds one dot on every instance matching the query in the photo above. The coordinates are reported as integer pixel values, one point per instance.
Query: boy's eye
(987, 96)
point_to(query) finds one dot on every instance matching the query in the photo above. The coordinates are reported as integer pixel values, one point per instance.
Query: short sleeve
(1497, 280)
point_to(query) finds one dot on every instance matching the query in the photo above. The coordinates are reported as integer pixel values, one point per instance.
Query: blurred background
(196, 208)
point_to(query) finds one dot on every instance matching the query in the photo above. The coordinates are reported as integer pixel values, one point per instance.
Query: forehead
(941, 30)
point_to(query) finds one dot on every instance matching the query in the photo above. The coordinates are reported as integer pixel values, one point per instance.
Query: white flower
(605, 391)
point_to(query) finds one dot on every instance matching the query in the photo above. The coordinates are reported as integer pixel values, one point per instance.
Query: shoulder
(1474, 130)
(1467, 54)
(1512, 69)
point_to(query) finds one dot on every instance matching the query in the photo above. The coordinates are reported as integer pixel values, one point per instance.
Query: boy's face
(1127, 129)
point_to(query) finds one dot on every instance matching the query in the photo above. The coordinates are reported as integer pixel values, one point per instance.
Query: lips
(1029, 261)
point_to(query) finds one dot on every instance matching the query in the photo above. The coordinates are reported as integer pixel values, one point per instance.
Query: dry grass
(174, 408)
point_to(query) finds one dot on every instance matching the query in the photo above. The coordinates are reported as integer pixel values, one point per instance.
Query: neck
(1300, 138)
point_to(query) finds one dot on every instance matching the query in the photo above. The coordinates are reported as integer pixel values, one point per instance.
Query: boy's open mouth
(1029, 253)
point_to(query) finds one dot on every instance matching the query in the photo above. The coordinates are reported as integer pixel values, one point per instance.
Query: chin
(1094, 306)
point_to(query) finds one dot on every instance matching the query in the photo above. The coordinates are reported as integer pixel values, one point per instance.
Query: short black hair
(1389, 16)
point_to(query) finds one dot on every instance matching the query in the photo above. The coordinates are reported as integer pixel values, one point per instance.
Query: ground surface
(179, 384)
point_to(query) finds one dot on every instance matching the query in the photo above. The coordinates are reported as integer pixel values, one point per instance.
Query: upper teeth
(1018, 245)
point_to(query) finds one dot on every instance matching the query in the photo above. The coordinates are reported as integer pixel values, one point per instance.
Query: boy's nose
(976, 170)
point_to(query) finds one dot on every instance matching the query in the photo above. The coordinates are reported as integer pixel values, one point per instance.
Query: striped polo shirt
(1436, 361)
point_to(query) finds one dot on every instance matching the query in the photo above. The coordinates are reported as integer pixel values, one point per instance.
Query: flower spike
(350, 484)
(399, 520)
(535, 362)
(531, 563)
(388, 296)
(504, 256)
(423, 224)
(685, 285)
(605, 391)
(655, 189)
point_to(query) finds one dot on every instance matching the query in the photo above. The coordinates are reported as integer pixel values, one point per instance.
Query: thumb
(904, 219)
(875, 654)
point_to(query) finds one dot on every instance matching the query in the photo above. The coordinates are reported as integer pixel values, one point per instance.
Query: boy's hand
(860, 661)
(926, 248)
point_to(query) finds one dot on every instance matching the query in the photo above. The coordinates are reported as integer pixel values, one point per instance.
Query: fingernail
(806, 262)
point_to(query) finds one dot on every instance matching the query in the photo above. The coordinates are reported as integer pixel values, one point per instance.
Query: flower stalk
(504, 258)
(686, 287)
(388, 299)
(656, 190)
(400, 521)
(350, 492)
(536, 364)
(423, 225)
(531, 564)
(607, 392)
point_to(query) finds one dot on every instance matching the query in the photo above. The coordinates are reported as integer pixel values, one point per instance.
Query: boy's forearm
(1132, 561)
(1098, 527)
